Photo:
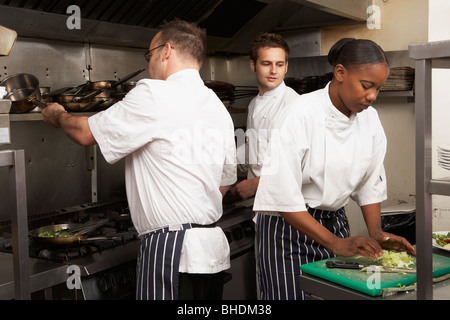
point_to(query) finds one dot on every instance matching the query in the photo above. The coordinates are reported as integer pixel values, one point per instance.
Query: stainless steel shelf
(440, 187)
(402, 93)
(427, 56)
(37, 116)
(15, 161)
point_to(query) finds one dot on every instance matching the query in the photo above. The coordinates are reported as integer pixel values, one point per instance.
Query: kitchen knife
(355, 265)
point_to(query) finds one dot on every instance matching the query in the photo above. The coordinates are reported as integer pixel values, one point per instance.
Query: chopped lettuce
(394, 259)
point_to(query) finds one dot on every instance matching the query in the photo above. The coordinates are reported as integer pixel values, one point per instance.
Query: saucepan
(23, 91)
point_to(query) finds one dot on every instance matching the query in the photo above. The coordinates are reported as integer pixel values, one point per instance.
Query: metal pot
(23, 91)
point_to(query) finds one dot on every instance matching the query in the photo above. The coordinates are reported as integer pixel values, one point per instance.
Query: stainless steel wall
(60, 173)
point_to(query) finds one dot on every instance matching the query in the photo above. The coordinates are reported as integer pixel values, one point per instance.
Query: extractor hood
(230, 24)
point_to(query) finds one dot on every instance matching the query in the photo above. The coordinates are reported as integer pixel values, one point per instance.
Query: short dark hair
(267, 40)
(355, 52)
(186, 37)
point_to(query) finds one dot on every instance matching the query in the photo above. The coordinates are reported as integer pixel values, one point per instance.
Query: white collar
(333, 114)
(274, 93)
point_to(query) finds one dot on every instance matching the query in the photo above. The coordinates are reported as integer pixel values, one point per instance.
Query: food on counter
(58, 233)
(395, 259)
(442, 240)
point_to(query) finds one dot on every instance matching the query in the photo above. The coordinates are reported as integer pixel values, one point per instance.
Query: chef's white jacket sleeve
(127, 125)
(280, 185)
(229, 174)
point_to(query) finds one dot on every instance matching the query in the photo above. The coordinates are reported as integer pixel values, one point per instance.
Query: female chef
(330, 149)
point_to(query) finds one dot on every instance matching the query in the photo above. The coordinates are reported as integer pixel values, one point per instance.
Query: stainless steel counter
(46, 274)
(43, 274)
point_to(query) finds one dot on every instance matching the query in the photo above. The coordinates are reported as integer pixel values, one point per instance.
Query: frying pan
(75, 239)
(111, 84)
(23, 91)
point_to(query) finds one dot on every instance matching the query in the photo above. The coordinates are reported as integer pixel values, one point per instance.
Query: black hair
(355, 52)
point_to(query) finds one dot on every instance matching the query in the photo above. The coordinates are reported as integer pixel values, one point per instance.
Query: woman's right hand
(364, 246)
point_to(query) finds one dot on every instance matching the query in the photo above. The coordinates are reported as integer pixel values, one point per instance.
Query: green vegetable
(46, 234)
(52, 234)
(394, 259)
(441, 239)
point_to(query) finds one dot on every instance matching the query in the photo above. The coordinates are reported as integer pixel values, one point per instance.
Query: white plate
(443, 157)
(435, 243)
(445, 148)
(445, 163)
(444, 160)
(442, 152)
(444, 166)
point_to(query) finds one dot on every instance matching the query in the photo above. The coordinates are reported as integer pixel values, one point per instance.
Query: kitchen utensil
(86, 228)
(23, 91)
(111, 84)
(63, 241)
(7, 39)
(128, 86)
(356, 265)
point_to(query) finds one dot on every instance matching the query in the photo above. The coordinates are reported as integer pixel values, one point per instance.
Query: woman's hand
(364, 246)
(391, 241)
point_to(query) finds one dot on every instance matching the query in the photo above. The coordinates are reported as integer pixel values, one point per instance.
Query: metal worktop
(46, 274)
(43, 274)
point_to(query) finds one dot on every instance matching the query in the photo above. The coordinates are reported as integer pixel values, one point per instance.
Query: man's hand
(75, 127)
(246, 188)
(52, 113)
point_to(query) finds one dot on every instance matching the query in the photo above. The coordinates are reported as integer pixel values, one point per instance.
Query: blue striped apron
(158, 264)
(281, 250)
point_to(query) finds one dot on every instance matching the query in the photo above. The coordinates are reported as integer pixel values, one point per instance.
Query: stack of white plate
(443, 153)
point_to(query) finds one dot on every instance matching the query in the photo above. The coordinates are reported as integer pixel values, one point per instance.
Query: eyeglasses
(148, 54)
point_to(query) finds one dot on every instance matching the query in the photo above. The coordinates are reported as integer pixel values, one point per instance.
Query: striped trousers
(158, 264)
(282, 249)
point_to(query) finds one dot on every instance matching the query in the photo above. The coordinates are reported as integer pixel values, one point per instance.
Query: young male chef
(269, 61)
(266, 112)
(177, 139)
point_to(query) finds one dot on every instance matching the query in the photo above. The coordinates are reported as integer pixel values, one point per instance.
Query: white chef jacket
(322, 158)
(265, 113)
(178, 142)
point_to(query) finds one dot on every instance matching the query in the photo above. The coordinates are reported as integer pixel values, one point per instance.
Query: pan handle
(38, 103)
(89, 95)
(126, 78)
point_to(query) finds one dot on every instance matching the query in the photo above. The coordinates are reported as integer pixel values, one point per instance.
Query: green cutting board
(368, 282)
